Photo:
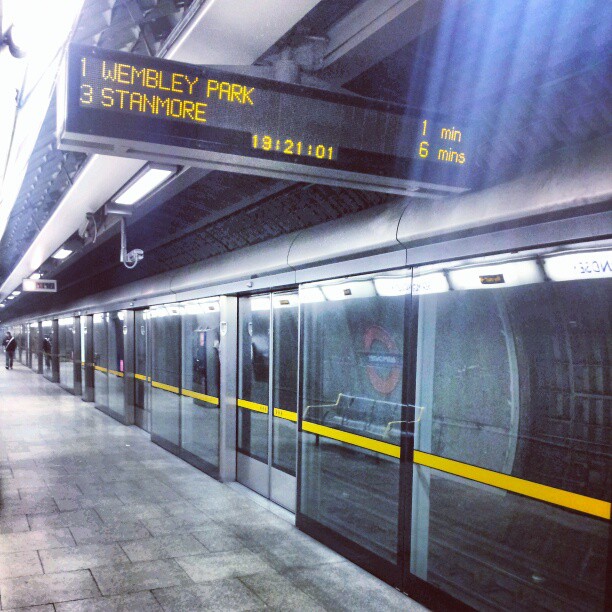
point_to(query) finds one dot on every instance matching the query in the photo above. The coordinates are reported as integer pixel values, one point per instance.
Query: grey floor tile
(48, 588)
(43, 608)
(128, 578)
(71, 518)
(216, 566)
(35, 540)
(163, 547)
(19, 564)
(216, 595)
(170, 524)
(81, 557)
(280, 593)
(217, 539)
(134, 602)
(24, 506)
(344, 586)
(14, 524)
(108, 534)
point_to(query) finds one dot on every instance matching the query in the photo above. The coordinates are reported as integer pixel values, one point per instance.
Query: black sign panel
(124, 104)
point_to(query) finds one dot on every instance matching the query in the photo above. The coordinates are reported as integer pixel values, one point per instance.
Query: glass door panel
(100, 348)
(267, 395)
(253, 392)
(141, 385)
(116, 364)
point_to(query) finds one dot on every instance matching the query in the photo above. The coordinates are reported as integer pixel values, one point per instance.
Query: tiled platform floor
(95, 517)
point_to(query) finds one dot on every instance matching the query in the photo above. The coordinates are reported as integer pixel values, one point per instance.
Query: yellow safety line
(559, 497)
(252, 406)
(140, 377)
(120, 374)
(100, 368)
(165, 387)
(349, 438)
(201, 396)
(285, 414)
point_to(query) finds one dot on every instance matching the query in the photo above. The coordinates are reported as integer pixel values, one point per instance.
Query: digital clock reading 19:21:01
(293, 147)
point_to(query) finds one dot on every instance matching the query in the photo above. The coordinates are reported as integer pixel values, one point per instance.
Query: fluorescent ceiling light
(311, 295)
(508, 274)
(16, 292)
(10, 297)
(2, 305)
(36, 276)
(144, 183)
(61, 253)
(576, 266)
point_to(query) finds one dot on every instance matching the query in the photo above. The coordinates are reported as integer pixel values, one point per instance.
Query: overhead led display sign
(128, 105)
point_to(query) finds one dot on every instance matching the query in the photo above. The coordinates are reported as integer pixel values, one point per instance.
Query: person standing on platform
(10, 346)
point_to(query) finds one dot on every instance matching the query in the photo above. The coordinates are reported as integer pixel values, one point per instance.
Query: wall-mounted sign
(134, 106)
(39, 286)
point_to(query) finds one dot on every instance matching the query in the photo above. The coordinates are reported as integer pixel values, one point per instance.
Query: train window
(352, 360)
(512, 456)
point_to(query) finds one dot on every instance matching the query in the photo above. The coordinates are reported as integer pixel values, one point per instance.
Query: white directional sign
(39, 286)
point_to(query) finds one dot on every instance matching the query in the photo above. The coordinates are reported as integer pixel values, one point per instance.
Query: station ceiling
(528, 82)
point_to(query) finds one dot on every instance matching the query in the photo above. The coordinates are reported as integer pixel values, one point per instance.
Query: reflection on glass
(516, 381)
(165, 328)
(116, 397)
(66, 352)
(100, 350)
(140, 354)
(253, 376)
(200, 384)
(284, 383)
(49, 349)
(352, 359)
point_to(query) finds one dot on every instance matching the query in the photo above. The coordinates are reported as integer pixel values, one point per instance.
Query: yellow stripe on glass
(165, 387)
(116, 373)
(140, 377)
(285, 414)
(252, 406)
(392, 450)
(100, 368)
(559, 497)
(201, 396)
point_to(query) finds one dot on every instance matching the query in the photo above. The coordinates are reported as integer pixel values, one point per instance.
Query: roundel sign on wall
(383, 359)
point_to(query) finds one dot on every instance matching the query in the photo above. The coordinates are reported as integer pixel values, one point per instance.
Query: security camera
(133, 257)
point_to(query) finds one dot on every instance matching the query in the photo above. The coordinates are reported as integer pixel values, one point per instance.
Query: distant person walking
(10, 346)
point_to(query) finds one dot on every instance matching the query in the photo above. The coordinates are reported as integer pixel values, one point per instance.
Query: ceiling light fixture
(61, 253)
(16, 292)
(36, 276)
(144, 183)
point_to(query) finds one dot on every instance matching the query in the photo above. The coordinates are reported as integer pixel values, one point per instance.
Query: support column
(228, 354)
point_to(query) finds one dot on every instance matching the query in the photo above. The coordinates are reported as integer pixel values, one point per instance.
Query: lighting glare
(509, 274)
(430, 283)
(36, 276)
(10, 297)
(260, 304)
(61, 253)
(311, 295)
(392, 285)
(152, 178)
(577, 266)
(347, 291)
(16, 292)
(286, 301)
